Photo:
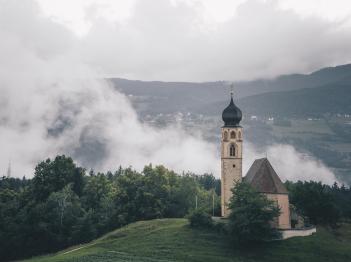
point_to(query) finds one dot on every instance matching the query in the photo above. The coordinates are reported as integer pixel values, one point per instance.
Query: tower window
(232, 150)
(232, 135)
(239, 135)
(225, 136)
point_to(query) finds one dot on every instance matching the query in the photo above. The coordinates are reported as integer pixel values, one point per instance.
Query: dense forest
(63, 204)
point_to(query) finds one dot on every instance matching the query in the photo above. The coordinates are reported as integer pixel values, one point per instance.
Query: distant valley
(311, 112)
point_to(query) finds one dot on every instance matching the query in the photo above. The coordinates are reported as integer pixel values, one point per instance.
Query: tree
(62, 212)
(51, 176)
(316, 201)
(128, 184)
(98, 198)
(62, 200)
(251, 215)
(97, 188)
(182, 195)
(153, 196)
(61, 206)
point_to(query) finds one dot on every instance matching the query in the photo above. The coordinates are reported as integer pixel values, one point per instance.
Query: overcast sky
(200, 40)
(51, 101)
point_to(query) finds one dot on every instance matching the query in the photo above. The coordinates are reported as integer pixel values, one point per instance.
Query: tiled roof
(264, 179)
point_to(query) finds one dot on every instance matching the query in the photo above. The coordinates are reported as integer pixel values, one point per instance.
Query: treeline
(63, 205)
(321, 204)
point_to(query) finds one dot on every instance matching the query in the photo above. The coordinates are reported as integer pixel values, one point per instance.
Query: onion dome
(231, 114)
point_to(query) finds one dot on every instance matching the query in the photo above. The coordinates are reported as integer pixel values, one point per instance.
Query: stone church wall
(282, 201)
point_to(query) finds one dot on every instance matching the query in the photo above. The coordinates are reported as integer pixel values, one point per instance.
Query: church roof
(232, 114)
(264, 179)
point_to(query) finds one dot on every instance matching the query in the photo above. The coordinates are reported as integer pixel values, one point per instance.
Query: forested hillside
(63, 205)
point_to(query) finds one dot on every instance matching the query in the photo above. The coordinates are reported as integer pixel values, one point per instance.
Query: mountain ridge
(154, 97)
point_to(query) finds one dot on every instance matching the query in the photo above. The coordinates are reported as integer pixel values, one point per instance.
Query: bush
(200, 218)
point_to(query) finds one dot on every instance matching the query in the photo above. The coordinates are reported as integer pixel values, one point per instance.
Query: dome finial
(231, 114)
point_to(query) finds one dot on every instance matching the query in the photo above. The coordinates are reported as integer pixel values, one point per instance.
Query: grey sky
(48, 78)
(206, 40)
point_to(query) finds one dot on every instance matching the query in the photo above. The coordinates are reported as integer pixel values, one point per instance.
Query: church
(261, 175)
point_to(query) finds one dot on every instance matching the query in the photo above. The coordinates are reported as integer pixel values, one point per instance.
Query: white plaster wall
(298, 233)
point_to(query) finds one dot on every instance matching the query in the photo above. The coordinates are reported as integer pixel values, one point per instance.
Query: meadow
(174, 240)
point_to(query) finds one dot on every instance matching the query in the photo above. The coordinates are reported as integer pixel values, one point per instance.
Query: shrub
(200, 218)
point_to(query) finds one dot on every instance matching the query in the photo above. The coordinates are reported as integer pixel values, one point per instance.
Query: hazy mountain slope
(167, 97)
(296, 81)
(332, 98)
(174, 240)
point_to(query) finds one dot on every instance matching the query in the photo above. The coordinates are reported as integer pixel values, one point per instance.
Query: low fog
(51, 102)
(289, 163)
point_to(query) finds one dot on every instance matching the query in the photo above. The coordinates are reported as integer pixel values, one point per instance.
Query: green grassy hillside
(174, 240)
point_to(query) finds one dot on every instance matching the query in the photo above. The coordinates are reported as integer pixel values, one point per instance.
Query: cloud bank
(290, 164)
(52, 103)
(171, 40)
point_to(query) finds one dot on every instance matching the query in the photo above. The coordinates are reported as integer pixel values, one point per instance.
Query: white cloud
(290, 164)
(336, 10)
(51, 103)
(78, 15)
(167, 41)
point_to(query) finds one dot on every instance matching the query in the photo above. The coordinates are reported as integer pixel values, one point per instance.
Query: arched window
(239, 135)
(232, 150)
(225, 136)
(232, 135)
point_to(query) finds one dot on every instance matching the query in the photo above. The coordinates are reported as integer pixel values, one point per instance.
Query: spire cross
(231, 90)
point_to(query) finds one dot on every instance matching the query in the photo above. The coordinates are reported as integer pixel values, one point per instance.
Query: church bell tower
(231, 153)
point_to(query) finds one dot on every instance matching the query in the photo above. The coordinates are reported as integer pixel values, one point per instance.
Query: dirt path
(70, 251)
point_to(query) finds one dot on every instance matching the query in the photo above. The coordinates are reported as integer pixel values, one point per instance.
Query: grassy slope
(174, 240)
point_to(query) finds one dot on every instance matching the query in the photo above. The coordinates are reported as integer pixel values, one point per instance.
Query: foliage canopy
(62, 206)
(251, 215)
